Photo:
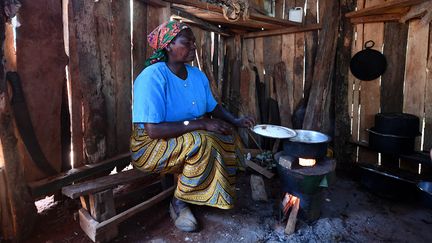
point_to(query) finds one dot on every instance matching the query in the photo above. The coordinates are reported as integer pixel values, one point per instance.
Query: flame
(307, 162)
(289, 201)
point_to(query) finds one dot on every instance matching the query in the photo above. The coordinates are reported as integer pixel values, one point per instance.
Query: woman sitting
(180, 128)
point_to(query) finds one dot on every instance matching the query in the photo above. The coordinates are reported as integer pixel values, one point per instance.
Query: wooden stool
(98, 217)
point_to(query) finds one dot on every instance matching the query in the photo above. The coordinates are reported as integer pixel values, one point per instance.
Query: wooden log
(317, 111)
(395, 39)
(343, 151)
(288, 55)
(292, 219)
(43, 78)
(311, 43)
(415, 73)
(263, 171)
(299, 55)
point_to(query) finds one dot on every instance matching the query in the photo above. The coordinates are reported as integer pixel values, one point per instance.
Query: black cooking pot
(390, 144)
(399, 124)
(368, 64)
(426, 192)
(307, 144)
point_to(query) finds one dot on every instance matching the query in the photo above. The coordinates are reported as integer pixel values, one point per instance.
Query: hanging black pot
(368, 64)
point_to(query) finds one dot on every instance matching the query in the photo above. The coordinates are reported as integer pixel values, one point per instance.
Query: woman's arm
(167, 130)
(222, 113)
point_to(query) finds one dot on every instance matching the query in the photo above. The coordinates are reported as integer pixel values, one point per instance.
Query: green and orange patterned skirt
(206, 161)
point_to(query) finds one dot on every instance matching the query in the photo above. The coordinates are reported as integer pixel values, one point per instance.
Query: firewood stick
(290, 227)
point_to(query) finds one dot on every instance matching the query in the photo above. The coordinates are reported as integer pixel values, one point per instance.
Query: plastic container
(296, 14)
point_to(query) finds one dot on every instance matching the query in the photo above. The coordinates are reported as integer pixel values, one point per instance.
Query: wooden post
(86, 70)
(342, 149)
(17, 209)
(318, 108)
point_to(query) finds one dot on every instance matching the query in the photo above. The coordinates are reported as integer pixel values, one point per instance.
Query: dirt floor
(349, 213)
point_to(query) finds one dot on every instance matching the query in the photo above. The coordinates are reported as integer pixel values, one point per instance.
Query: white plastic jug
(296, 14)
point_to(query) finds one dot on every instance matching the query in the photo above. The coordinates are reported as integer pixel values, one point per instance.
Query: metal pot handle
(386, 135)
(369, 44)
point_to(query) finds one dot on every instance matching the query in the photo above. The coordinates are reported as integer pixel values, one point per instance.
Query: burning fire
(289, 201)
(307, 162)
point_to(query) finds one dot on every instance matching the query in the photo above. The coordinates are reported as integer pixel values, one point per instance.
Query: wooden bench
(98, 217)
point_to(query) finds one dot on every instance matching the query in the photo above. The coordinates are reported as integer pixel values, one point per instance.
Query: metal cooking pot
(368, 64)
(426, 188)
(399, 124)
(390, 144)
(307, 144)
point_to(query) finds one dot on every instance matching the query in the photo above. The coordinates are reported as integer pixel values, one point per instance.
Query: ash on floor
(349, 214)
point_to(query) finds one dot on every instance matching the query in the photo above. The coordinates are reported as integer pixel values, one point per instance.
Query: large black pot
(426, 192)
(390, 144)
(399, 124)
(368, 64)
(307, 144)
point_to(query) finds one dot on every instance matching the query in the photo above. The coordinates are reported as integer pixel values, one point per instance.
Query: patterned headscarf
(159, 39)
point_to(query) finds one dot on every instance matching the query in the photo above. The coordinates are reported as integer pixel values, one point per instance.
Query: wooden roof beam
(217, 9)
(289, 30)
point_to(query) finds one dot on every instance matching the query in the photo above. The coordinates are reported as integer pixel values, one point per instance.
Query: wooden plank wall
(278, 68)
(404, 87)
(41, 62)
(93, 40)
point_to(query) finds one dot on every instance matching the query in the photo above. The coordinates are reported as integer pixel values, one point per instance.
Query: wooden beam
(203, 24)
(156, 3)
(217, 9)
(52, 184)
(317, 115)
(289, 30)
(263, 171)
(102, 183)
(376, 18)
(395, 6)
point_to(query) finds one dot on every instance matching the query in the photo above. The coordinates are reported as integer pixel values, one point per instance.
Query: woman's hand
(216, 125)
(246, 122)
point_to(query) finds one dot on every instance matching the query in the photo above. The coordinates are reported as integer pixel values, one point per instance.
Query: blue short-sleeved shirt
(161, 96)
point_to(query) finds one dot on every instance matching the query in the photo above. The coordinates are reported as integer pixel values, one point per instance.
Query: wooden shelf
(213, 14)
(388, 11)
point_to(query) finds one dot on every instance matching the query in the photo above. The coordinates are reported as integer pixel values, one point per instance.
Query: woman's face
(182, 48)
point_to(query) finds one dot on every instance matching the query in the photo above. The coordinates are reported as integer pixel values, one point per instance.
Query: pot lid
(274, 131)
